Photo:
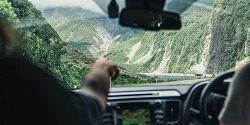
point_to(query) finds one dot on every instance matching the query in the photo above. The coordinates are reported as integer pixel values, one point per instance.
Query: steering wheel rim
(196, 89)
(207, 90)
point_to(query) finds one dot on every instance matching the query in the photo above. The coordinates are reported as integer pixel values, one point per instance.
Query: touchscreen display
(140, 116)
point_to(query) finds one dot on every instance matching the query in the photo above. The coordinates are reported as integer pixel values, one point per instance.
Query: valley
(184, 51)
(65, 41)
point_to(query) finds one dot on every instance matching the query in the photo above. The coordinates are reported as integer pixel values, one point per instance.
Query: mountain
(43, 46)
(135, 50)
(230, 30)
(213, 38)
(169, 51)
(85, 30)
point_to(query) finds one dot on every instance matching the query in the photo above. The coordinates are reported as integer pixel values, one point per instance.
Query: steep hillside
(85, 30)
(42, 45)
(212, 40)
(230, 25)
(166, 51)
(169, 51)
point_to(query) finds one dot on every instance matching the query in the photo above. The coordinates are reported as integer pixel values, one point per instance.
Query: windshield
(64, 37)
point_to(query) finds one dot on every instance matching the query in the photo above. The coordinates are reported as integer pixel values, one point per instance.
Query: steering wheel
(191, 100)
(208, 94)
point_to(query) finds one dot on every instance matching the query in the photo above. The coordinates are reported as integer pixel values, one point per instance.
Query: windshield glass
(64, 37)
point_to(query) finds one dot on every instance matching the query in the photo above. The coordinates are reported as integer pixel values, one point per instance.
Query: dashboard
(161, 105)
(155, 105)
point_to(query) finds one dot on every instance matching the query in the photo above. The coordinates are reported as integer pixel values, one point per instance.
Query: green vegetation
(185, 47)
(229, 33)
(212, 40)
(44, 47)
(7, 12)
(41, 44)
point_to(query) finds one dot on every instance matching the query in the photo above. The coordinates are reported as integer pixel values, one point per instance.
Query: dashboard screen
(139, 116)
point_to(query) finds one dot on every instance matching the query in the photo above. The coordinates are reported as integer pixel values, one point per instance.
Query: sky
(100, 6)
(85, 4)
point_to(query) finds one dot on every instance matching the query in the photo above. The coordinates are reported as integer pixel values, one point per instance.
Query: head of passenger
(236, 109)
(241, 65)
(9, 43)
(28, 95)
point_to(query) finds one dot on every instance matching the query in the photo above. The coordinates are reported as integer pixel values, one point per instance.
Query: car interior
(196, 104)
(182, 91)
(199, 103)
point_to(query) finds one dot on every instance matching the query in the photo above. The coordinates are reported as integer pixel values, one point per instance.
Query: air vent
(108, 117)
(172, 111)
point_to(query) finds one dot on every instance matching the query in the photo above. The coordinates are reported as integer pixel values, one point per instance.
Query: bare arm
(97, 82)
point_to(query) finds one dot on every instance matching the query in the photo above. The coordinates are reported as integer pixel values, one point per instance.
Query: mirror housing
(150, 19)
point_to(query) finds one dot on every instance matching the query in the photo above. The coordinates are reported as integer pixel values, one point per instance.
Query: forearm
(96, 84)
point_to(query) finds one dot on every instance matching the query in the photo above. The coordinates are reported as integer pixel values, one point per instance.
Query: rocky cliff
(229, 27)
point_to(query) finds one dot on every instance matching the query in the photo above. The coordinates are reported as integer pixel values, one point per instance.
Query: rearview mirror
(150, 19)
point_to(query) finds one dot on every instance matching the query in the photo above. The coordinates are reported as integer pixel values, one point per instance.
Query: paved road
(163, 77)
(173, 83)
(182, 82)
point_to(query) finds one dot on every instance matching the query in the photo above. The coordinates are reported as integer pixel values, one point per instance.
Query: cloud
(85, 4)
